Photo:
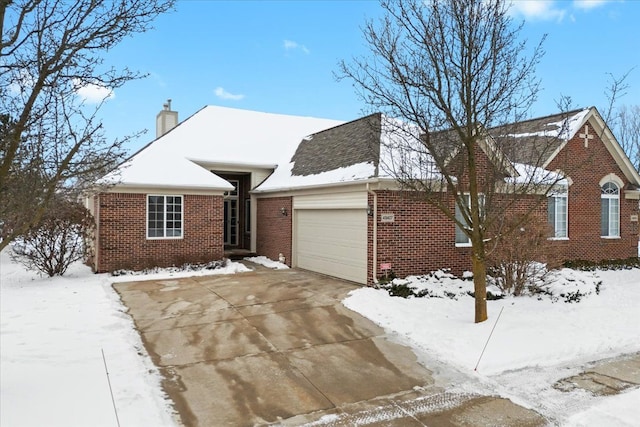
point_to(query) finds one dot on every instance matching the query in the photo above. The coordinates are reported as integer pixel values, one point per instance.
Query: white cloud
(223, 94)
(545, 10)
(291, 45)
(92, 93)
(588, 4)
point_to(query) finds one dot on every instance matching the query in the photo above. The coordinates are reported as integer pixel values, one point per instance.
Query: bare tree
(448, 72)
(59, 239)
(51, 139)
(625, 120)
(627, 131)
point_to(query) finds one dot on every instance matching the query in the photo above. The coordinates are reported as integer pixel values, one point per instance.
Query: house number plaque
(387, 217)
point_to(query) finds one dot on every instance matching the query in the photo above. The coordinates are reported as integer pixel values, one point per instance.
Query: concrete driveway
(278, 347)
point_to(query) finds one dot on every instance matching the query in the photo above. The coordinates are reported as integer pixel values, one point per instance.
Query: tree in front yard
(447, 72)
(53, 81)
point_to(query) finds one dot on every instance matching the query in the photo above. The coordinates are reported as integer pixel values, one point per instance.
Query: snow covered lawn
(535, 342)
(52, 335)
(53, 332)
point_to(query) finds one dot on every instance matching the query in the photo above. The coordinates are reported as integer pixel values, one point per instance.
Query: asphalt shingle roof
(348, 144)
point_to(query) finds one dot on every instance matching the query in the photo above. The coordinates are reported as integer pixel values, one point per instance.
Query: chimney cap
(167, 105)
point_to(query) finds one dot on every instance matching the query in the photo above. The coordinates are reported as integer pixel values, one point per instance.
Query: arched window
(610, 219)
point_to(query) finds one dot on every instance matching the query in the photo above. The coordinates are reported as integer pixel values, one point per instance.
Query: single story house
(317, 193)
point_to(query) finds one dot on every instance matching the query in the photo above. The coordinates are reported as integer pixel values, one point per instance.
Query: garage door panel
(333, 242)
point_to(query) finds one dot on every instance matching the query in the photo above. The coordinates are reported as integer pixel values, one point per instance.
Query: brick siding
(587, 166)
(419, 240)
(274, 229)
(122, 241)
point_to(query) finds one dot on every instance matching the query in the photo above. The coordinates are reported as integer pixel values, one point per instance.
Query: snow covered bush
(436, 284)
(567, 285)
(561, 285)
(523, 257)
(57, 241)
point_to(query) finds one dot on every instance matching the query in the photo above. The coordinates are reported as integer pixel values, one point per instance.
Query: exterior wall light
(283, 211)
(369, 210)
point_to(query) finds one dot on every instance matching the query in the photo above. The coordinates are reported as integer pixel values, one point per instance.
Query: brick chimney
(166, 119)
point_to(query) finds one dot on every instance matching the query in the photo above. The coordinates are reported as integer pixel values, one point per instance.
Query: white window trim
(566, 215)
(165, 237)
(464, 245)
(612, 177)
(611, 197)
(468, 243)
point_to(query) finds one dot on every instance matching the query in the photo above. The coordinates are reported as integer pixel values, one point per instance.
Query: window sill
(610, 237)
(165, 238)
(463, 245)
(558, 238)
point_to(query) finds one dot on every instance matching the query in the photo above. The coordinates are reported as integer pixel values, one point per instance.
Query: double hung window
(557, 215)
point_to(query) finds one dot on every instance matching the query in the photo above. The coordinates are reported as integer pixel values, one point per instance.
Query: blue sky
(281, 56)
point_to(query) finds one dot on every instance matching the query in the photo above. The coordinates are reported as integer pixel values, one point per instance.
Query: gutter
(325, 185)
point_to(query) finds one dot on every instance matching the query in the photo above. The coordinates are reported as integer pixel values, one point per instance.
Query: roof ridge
(567, 113)
(345, 123)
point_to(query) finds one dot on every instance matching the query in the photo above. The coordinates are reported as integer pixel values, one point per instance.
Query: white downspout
(375, 235)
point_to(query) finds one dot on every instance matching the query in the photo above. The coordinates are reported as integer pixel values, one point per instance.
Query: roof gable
(612, 145)
(537, 141)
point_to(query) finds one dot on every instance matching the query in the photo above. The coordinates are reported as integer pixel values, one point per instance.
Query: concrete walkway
(278, 347)
(605, 377)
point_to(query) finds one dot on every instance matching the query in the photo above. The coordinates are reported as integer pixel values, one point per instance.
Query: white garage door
(332, 242)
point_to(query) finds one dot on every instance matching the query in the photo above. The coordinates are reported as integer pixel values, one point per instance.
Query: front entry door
(231, 216)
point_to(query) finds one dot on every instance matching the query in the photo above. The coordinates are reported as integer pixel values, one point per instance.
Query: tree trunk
(480, 286)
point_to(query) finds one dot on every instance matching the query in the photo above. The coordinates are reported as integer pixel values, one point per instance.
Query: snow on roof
(283, 179)
(217, 135)
(403, 154)
(234, 137)
(148, 168)
(563, 129)
(343, 153)
(528, 174)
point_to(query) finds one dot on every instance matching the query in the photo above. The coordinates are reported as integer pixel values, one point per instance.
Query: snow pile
(188, 270)
(263, 260)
